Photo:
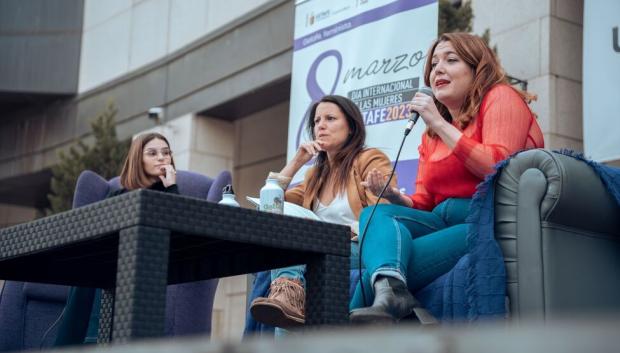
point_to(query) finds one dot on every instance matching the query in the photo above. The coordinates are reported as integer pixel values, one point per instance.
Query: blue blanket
(475, 289)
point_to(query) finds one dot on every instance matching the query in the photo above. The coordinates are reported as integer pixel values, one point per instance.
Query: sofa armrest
(574, 195)
(555, 221)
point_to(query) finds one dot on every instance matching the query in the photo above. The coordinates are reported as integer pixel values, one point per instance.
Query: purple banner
(407, 171)
(369, 16)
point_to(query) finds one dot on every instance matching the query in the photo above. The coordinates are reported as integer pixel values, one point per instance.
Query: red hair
(486, 69)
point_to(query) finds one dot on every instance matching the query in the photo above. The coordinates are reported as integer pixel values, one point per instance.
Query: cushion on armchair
(27, 311)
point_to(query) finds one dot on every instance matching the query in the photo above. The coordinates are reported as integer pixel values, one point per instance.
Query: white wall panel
(105, 51)
(123, 35)
(506, 15)
(601, 75)
(520, 55)
(149, 32)
(188, 22)
(222, 12)
(96, 11)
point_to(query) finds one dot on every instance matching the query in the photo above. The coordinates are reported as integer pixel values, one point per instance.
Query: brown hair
(486, 69)
(343, 160)
(133, 175)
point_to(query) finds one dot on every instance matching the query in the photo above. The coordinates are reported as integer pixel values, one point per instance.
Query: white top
(338, 211)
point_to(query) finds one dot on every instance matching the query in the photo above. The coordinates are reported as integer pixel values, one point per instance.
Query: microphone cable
(372, 212)
(56, 322)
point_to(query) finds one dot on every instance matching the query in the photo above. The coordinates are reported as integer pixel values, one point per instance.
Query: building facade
(221, 71)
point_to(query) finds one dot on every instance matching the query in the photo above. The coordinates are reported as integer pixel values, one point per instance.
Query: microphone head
(415, 115)
(426, 90)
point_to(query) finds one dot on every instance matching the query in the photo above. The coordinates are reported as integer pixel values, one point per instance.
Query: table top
(79, 247)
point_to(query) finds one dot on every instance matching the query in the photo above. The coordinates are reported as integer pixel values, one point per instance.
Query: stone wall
(541, 41)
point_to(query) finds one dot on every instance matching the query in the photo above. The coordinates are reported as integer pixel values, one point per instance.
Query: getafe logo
(313, 18)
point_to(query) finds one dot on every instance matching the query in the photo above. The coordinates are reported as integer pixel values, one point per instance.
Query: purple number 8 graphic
(314, 91)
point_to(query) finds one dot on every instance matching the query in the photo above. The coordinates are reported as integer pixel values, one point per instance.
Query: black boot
(392, 302)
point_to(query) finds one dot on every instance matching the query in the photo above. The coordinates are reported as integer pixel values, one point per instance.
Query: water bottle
(228, 196)
(272, 197)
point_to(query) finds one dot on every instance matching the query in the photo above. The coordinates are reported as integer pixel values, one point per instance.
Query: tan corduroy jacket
(358, 196)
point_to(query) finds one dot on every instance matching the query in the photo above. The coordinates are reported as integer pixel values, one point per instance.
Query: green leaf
(453, 18)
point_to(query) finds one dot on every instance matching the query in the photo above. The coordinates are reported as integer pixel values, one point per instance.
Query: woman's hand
(425, 106)
(307, 151)
(355, 230)
(168, 175)
(375, 182)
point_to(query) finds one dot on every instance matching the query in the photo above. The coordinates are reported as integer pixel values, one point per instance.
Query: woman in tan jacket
(334, 189)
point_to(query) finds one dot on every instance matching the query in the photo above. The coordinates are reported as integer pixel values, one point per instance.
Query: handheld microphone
(415, 115)
(414, 118)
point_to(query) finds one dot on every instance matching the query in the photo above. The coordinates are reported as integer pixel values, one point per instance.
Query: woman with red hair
(474, 120)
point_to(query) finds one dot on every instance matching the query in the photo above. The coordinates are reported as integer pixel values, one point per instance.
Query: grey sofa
(559, 231)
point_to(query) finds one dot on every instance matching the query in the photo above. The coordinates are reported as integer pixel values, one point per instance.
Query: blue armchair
(28, 311)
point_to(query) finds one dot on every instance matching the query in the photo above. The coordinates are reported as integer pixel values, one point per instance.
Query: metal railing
(516, 81)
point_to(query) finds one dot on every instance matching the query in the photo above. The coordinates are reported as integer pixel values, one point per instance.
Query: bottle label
(272, 200)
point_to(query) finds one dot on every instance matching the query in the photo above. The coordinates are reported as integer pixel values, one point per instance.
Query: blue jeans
(298, 272)
(412, 245)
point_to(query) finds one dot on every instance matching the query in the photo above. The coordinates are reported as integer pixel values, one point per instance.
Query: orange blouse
(503, 126)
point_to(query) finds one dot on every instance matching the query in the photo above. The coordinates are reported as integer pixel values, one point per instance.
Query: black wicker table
(134, 244)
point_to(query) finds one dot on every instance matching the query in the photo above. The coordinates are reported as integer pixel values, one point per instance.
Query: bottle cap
(228, 189)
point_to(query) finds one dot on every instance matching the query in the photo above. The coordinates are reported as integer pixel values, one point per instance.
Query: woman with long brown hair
(475, 120)
(149, 165)
(332, 189)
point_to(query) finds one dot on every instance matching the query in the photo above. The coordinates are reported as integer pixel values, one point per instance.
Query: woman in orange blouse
(474, 121)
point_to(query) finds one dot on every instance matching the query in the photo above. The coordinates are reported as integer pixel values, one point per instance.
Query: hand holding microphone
(415, 113)
(375, 181)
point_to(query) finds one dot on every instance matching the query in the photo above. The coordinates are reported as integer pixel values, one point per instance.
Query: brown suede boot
(285, 305)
